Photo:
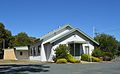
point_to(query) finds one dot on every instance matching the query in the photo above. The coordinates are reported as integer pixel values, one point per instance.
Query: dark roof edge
(73, 31)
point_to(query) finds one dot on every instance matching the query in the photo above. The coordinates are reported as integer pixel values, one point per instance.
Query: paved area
(91, 68)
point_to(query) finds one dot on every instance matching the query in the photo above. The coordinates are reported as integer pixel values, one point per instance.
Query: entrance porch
(76, 48)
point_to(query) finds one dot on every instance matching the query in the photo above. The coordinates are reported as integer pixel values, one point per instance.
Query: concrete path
(92, 68)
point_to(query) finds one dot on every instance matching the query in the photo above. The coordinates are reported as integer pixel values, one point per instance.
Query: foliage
(71, 59)
(97, 53)
(107, 56)
(62, 60)
(118, 51)
(61, 51)
(20, 39)
(94, 59)
(4, 36)
(107, 43)
(86, 57)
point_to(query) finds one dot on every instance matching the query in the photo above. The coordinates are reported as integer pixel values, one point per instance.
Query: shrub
(77, 61)
(94, 59)
(71, 59)
(97, 53)
(61, 51)
(62, 60)
(86, 57)
(118, 53)
(107, 56)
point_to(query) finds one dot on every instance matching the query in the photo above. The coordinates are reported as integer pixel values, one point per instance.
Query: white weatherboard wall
(91, 48)
(43, 56)
(72, 38)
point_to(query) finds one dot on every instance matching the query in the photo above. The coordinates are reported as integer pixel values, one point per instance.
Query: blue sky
(38, 17)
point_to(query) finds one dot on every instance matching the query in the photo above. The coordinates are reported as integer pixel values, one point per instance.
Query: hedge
(62, 60)
(86, 57)
(71, 59)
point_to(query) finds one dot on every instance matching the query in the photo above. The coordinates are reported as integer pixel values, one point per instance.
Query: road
(91, 68)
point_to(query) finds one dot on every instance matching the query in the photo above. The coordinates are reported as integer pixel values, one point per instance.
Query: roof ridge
(42, 37)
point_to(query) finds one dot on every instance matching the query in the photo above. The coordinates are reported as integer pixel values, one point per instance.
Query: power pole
(93, 31)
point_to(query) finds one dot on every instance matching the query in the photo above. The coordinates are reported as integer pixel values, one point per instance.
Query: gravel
(116, 59)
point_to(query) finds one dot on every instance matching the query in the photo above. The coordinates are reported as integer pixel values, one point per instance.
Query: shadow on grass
(22, 69)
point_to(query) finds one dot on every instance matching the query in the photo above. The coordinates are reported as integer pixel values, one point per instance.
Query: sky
(38, 17)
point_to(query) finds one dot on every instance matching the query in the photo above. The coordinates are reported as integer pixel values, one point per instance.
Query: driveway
(92, 68)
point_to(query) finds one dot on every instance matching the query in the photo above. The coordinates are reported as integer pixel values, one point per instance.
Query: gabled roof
(50, 33)
(73, 30)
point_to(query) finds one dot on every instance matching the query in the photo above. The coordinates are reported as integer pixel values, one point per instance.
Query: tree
(107, 43)
(7, 40)
(4, 36)
(34, 40)
(22, 39)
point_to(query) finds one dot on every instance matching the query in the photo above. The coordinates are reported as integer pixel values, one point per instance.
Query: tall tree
(22, 39)
(107, 43)
(4, 36)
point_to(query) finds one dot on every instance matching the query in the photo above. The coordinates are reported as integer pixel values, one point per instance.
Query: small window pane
(21, 53)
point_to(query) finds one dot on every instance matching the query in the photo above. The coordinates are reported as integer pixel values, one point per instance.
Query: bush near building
(62, 60)
(105, 56)
(62, 54)
(71, 59)
(86, 57)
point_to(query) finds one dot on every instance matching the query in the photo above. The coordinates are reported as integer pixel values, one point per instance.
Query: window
(86, 49)
(21, 53)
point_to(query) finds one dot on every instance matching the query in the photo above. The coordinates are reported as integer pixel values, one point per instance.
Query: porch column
(74, 49)
(80, 48)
